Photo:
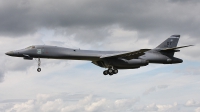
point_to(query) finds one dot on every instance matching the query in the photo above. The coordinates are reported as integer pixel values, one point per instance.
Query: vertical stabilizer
(170, 42)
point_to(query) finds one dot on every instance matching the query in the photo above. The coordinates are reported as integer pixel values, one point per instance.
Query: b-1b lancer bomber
(112, 60)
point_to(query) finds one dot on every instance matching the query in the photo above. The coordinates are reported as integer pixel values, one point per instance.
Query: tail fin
(170, 42)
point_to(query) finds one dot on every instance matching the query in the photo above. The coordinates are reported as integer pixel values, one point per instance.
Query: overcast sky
(74, 86)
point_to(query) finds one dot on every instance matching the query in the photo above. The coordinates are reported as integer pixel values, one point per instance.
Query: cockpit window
(31, 47)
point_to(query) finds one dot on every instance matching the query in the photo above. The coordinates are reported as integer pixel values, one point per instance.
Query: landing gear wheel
(105, 72)
(39, 69)
(115, 71)
(110, 71)
(110, 74)
(39, 63)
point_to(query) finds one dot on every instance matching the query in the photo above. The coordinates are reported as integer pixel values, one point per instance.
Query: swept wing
(126, 55)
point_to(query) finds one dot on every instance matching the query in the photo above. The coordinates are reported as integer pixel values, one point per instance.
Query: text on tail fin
(170, 42)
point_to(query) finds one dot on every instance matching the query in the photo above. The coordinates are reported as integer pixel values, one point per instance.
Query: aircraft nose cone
(9, 53)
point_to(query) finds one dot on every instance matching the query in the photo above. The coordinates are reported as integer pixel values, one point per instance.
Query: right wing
(127, 55)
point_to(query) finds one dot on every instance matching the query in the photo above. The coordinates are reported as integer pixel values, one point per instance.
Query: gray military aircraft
(113, 60)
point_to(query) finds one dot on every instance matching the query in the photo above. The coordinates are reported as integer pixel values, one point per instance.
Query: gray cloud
(159, 108)
(192, 103)
(153, 89)
(49, 103)
(163, 86)
(150, 90)
(197, 109)
(2, 69)
(1, 76)
(192, 70)
(89, 19)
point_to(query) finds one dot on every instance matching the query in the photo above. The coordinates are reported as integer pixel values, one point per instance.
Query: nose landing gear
(110, 71)
(39, 69)
(39, 63)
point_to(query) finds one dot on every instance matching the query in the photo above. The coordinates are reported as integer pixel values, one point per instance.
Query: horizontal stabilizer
(127, 55)
(175, 48)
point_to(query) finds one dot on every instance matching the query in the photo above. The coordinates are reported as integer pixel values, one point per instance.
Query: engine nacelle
(173, 60)
(140, 62)
(121, 63)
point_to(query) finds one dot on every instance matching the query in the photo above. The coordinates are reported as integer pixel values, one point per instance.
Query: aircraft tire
(110, 70)
(110, 74)
(115, 71)
(39, 69)
(105, 72)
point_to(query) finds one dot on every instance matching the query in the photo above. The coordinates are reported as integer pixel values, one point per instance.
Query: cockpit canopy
(30, 47)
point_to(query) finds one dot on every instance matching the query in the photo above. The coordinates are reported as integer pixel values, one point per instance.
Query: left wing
(126, 55)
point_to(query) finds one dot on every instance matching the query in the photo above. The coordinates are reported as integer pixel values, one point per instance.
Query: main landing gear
(110, 71)
(39, 63)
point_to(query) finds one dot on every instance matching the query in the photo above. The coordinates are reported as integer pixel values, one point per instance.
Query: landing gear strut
(110, 71)
(39, 63)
